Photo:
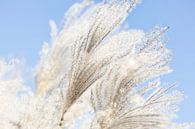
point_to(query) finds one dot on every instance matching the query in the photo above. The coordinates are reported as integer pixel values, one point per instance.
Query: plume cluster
(94, 74)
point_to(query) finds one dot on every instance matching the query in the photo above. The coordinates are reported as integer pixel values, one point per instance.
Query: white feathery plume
(94, 69)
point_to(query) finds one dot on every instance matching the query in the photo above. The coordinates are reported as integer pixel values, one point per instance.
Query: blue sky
(24, 27)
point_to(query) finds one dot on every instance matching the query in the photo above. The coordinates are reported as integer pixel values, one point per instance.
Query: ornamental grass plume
(94, 74)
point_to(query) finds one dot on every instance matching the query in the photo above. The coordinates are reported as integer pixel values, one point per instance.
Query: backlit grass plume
(94, 74)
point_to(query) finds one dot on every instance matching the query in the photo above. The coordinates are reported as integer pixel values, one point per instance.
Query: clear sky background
(24, 27)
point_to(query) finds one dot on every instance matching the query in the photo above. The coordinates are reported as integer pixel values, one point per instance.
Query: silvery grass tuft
(95, 73)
